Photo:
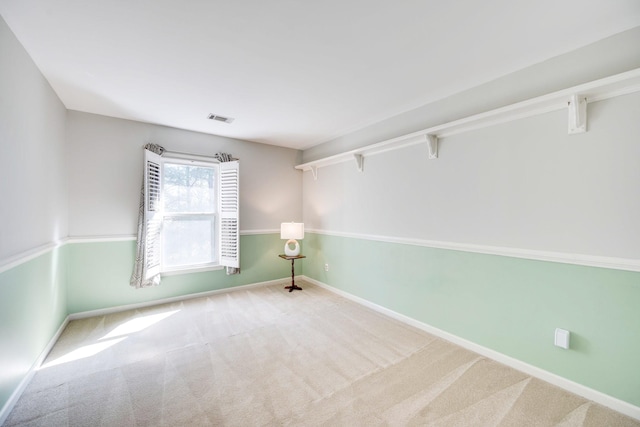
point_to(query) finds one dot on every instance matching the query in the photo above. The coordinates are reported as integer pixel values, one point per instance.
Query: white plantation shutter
(229, 199)
(153, 212)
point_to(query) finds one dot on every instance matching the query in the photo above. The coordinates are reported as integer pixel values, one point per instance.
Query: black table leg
(293, 286)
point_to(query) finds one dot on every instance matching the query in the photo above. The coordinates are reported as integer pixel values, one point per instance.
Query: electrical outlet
(326, 267)
(562, 338)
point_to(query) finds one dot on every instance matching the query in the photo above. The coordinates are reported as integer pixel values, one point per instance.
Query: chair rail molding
(600, 261)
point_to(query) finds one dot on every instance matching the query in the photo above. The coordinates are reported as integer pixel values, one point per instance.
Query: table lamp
(292, 231)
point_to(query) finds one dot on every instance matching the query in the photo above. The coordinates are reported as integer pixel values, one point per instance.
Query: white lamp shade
(292, 230)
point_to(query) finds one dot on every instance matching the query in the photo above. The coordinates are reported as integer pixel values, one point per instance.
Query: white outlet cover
(562, 338)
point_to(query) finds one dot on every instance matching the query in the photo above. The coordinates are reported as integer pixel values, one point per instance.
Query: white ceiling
(292, 73)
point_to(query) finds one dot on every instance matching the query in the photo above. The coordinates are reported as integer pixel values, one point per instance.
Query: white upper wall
(106, 166)
(525, 184)
(33, 206)
(65, 173)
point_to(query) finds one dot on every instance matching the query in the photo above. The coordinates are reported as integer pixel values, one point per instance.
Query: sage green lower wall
(99, 273)
(506, 304)
(32, 308)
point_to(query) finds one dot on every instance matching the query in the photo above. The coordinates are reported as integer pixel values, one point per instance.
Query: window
(191, 213)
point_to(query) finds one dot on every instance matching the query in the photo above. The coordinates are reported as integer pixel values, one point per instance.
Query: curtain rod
(182, 154)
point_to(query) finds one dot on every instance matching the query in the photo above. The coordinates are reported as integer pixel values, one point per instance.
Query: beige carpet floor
(264, 356)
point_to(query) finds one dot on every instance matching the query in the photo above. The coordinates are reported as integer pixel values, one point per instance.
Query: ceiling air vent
(220, 118)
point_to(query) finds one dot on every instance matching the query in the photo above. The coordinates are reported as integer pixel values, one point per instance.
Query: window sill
(189, 270)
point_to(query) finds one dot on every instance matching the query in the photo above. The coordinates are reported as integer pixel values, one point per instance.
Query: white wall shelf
(598, 90)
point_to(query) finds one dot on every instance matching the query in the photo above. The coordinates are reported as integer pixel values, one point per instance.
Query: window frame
(215, 264)
(155, 215)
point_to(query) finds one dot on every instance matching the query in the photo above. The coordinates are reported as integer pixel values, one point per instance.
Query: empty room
(333, 213)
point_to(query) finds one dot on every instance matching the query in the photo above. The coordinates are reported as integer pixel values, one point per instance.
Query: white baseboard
(15, 396)
(573, 387)
(117, 309)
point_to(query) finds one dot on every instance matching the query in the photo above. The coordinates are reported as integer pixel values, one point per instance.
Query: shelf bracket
(577, 114)
(432, 143)
(359, 158)
(314, 172)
